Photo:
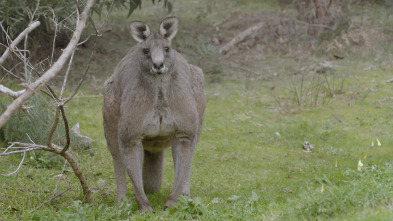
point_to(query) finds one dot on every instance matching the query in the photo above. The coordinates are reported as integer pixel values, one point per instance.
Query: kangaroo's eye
(166, 49)
(146, 51)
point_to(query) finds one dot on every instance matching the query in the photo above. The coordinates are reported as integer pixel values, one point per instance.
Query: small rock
(307, 146)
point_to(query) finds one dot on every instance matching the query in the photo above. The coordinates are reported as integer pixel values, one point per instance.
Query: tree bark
(14, 94)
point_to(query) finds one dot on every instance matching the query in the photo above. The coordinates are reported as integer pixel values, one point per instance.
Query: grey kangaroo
(153, 100)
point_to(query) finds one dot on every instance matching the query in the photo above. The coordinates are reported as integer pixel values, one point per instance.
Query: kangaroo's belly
(159, 130)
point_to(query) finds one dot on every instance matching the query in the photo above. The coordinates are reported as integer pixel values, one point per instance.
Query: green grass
(242, 169)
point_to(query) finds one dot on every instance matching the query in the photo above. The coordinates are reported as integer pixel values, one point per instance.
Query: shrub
(33, 126)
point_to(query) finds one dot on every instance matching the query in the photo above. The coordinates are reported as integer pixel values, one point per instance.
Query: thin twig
(10, 72)
(58, 180)
(20, 164)
(23, 151)
(6, 149)
(49, 200)
(53, 128)
(29, 28)
(66, 76)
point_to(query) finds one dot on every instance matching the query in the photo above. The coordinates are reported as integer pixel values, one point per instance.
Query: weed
(314, 92)
(187, 208)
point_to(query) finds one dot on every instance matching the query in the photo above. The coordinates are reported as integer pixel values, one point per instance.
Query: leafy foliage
(187, 208)
(33, 126)
(15, 15)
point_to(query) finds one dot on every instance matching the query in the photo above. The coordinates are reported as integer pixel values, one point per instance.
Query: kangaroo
(153, 100)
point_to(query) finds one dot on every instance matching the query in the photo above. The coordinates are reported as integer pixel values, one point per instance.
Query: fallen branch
(53, 71)
(240, 37)
(29, 28)
(49, 200)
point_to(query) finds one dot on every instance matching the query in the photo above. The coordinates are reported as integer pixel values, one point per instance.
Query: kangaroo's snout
(158, 66)
(158, 60)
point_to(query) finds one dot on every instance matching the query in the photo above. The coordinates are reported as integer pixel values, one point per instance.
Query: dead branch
(53, 71)
(240, 37)
(29, 28)
(57, 150)
(23, 151)
(76, 132)
(9, 92)
(49, 200)
(67, 130)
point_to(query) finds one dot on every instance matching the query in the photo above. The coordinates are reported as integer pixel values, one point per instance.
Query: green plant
(32, 125)
(187, 208)
(305, 92)
(369, 187)
(80, 211)
(15, 14)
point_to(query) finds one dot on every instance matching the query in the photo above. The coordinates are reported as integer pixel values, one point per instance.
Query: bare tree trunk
(53, 71)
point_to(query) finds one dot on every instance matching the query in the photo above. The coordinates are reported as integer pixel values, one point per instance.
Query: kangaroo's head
(154, 49)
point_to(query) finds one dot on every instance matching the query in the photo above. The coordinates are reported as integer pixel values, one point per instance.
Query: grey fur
(153, 101)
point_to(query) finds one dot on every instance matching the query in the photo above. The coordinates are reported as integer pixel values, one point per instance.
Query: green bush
(33, 126)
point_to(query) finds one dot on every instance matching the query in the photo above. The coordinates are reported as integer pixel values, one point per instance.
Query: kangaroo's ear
(168, 28)
(139, 30)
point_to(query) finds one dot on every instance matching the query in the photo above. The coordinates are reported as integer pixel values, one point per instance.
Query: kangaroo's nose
(158, 66)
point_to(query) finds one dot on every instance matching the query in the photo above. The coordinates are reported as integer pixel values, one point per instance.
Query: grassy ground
(249, 163)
